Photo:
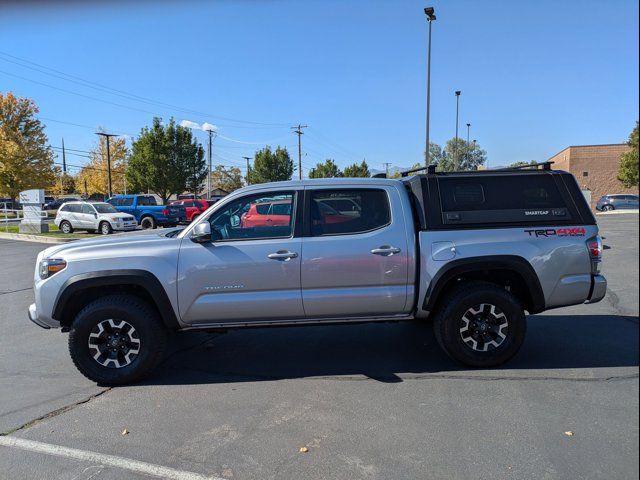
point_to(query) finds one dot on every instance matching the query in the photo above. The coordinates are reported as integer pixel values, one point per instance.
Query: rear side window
(361, 211)
(65, 208)
(502, 199)
(74, 208)
(147, 201)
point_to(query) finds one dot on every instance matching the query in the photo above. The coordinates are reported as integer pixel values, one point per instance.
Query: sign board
(32, 197)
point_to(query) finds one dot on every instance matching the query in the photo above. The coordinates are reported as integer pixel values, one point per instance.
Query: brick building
(595, 167)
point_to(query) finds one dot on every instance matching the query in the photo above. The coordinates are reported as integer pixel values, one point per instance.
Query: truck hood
(127, 244)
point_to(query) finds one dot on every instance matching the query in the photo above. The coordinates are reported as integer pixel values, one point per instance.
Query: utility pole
(211, 133)
(298, 130)
(430, 13)
(386, 168)
(248, 170)
(468, 146)
(455, 150)
(64, 159)
(108, 136)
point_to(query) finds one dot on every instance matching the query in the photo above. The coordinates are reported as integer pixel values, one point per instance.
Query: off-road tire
(448, 320)
(133, 310)
(148, 223)
(66, 227)
(105, 228)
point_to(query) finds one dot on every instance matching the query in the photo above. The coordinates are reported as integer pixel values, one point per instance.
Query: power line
(112, 91)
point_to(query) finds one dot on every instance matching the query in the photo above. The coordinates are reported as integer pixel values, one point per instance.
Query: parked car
(193, 208)
(58, 202)
(617, 202)
(473, 251)
(93, 217)
(147, 212)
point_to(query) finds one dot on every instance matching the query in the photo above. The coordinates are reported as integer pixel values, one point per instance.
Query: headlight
(115, 219)
(51, 266)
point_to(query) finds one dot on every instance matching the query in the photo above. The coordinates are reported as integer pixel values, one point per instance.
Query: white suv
(100, 217)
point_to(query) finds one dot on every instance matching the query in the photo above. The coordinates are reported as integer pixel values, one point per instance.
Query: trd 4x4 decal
(557, 232)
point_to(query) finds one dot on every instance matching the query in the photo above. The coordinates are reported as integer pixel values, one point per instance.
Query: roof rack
(529, 166)
(431, 169)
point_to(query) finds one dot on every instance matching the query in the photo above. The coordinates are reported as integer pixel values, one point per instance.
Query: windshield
(104, 208)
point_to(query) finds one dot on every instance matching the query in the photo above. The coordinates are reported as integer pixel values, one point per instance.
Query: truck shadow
(389, 352)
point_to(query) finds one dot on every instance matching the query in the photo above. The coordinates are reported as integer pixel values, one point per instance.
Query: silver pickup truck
(470, 251)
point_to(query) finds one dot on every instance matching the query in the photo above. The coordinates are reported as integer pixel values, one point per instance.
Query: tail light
(594, 245)
(165, 212)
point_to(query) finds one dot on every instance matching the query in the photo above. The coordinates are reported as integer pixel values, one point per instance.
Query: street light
(429, 12)
(108, 136)
(455, 151)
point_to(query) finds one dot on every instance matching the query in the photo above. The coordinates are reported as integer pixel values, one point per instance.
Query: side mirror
(95, 215)
(201, 233)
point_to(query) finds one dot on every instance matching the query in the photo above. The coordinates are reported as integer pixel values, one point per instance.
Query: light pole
(455, 151)
(468, 130)
(430, 13)
(211, 132)
(108, 136)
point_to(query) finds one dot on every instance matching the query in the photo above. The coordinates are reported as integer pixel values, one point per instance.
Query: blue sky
(535, 76)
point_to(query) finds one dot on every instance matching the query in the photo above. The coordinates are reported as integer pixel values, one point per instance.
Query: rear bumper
(598, 289)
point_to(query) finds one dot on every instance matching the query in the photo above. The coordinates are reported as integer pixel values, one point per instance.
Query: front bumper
(40, 320)
(598, 289)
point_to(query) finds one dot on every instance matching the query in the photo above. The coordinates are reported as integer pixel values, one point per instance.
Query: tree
(269, 166)
(628, 170)
(469, 156)
(95, 174)
(522, 163)
(64, 183)
(328, 169)
(226, 178)
(26, 161)
(398, 173)
(356, 170)
(166, 160)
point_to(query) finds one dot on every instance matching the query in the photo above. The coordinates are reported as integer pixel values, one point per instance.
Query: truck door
(356, 264)
(248, 272)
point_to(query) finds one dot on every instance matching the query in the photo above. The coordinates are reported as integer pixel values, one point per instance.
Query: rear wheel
(147, 223)
(117, 339)
(105, 228)
(65, 227)
(480, 325)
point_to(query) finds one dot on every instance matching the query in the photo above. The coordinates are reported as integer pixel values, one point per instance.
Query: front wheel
(105, 228)
(117, 339)
(608, 208)
(480, 325)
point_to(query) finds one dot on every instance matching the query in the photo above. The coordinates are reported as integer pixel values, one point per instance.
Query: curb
(23, 237)
(619, 212)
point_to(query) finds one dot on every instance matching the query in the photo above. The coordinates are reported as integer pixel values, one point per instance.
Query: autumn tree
(26, 160)
(64, 183)
(95, 174)
(356, 170)
(270, 166)
(327, 169)
(226, 178)
(628, 170)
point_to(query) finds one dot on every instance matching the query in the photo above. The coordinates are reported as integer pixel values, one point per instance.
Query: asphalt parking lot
(367, 401)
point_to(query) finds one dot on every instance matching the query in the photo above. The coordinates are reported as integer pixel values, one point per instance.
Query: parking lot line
(106, 460)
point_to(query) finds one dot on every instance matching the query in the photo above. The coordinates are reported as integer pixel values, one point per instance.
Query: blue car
(147, 211)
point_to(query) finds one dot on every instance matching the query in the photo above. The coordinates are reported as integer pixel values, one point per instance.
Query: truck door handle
(385, 250)
(282, 255)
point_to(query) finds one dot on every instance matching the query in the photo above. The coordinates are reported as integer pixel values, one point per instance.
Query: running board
(305, 321)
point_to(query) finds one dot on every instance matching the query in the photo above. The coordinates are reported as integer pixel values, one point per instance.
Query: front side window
(253, 217)
(344, 212)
